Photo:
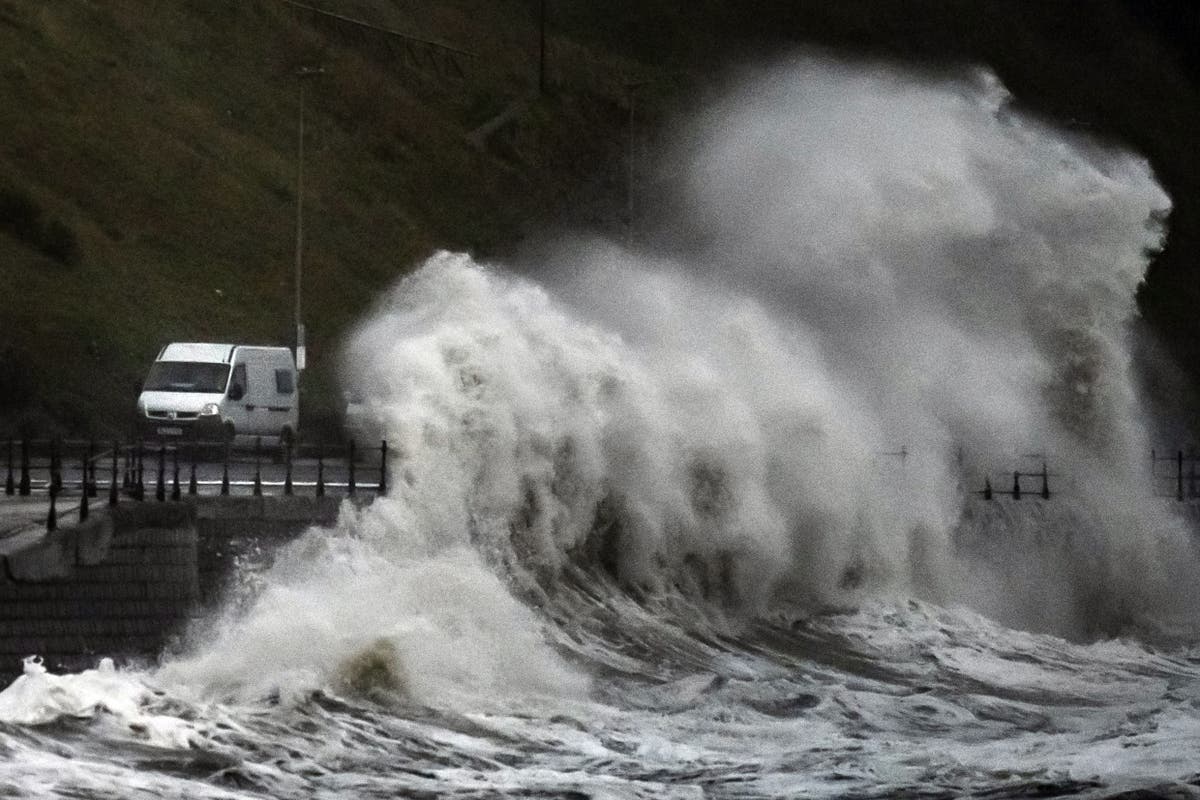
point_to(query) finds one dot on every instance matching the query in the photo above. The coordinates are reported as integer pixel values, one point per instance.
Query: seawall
(126, 582)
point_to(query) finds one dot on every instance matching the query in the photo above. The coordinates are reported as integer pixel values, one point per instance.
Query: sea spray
(902, 287)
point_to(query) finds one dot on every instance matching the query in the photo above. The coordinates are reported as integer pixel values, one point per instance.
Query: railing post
(52, 516)
(321, 470)
(23, 488)
(382, 468)
(85, 461)
(10, 485)
(112, 488)
(225, 472)
(258, 466)
(1179, 475)
(1045, 482)
(55, 465)
(1016, 486)
(350, 487)
(139, 470)
(287, 460)
(93, 485)
(987, 488)
(83, 505)
(175, 492)
(192, 487)
(1192, 475)
(127, 471)
(160, 488)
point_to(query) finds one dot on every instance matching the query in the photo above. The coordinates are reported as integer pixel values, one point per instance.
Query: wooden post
(10, 485)
(1016, 486)
(350, 482)
(383, 468)
(225, 473)
(176, 494)
(987, 488)
(1045, 482)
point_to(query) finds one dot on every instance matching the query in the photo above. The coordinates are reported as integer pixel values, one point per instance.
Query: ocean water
(706, 520)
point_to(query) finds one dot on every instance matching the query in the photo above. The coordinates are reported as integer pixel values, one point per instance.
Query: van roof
(206, 352)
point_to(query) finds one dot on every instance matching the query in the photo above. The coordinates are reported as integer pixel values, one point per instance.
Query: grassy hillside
(159, 141)
(148, 156)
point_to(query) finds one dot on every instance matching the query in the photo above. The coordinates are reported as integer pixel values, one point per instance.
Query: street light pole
(302, 73)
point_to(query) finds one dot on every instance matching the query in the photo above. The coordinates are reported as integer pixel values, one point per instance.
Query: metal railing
(133, 470)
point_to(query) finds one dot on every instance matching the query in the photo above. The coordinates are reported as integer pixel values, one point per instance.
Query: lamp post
(303, 73)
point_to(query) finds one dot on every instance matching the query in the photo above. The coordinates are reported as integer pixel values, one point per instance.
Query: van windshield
(186, 376)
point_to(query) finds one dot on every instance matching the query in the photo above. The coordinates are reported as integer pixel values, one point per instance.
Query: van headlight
(210, 409)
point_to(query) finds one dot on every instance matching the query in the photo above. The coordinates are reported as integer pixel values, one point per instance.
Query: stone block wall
(126, 601)
(131, 578)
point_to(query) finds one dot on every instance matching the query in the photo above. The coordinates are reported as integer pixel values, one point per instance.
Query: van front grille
(160, 413)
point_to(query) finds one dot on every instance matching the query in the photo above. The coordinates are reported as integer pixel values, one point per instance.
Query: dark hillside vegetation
(148, 160)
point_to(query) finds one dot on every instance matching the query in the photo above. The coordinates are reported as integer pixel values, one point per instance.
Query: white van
(220, 392)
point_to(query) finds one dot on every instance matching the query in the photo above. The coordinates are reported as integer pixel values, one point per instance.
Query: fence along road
(68, 477)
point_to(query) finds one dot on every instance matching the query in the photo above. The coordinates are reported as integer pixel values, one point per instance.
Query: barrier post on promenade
(176, 494)
(1016, 492)
(160, 487)
(55, 465)
(112, 487)
(287, 460)
(83, 503)
(1179, 475)
(382, 468)
(23, 487)
(93, 484)
(192, 487)
(320, 470)
(139, 469)
(10, 484)
(350, 487)
(258, 466)
(225, 473)
(987, 489)
(52, 516)
(1045, 482)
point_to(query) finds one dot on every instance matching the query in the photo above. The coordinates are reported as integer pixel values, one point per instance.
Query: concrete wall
(127, 581)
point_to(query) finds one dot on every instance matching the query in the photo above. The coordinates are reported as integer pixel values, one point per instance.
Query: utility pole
(303, 73)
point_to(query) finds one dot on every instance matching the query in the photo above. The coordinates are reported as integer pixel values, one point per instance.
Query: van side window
(237, 383)
(285, 383)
